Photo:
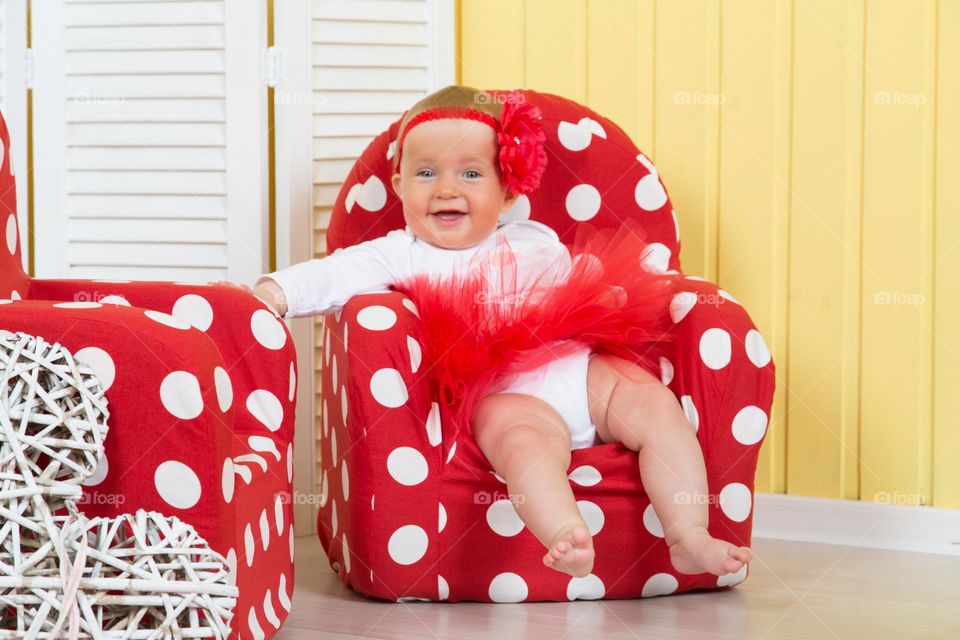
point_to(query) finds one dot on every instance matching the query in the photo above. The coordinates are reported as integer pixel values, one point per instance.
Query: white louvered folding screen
(148, 125)
(13, 101)
(4, 52)
(371, 60)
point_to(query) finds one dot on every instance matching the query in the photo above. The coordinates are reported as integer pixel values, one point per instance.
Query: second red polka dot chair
(410, 509)
(201, 385)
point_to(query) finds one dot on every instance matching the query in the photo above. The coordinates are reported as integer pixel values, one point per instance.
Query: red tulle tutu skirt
(509, 314)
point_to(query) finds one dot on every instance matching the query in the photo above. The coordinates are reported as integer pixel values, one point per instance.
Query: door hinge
(274, 66)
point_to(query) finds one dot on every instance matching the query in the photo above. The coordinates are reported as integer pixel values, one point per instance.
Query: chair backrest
(13, 281)
(594, 173)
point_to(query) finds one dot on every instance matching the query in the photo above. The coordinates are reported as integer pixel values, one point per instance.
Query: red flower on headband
(522, 154)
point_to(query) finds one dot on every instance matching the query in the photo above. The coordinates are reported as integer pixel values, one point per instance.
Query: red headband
(519, 133)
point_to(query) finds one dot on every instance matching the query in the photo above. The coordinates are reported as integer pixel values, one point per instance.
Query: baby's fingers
(232, 284)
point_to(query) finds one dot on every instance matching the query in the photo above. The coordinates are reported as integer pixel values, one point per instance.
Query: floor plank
(796, 590)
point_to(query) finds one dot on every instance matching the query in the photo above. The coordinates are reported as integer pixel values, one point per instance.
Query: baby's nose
(447, 191)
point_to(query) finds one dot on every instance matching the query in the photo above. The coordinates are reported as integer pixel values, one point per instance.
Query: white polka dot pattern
(180, 395)
(224, 388)
(376, 318)
(589, 587)
(388, 388)
(267, 330)
(408, 544)
(508, 587)
(583, 202)
(690, 411)
(715, 348)
(757, 349)
(12, 233)
(585, 476)
(266, 408)
(730, 579)
(407, 466)
(194, 310)
(651, 521)
(749, 425)
(101, 363)
(99, 474)
(660, 584)
(503, 519)
(177, 484)
(736, 501)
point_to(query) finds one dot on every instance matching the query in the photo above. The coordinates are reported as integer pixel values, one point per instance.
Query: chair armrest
(722, 372)
(380, 448)
(255, 344)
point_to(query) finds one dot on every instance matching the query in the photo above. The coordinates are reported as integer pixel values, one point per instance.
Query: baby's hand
(268, 292)
(231, 284)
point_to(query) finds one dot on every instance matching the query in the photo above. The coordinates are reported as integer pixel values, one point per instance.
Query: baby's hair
(454, 95)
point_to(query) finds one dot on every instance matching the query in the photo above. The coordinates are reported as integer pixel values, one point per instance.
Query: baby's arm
(323, 285)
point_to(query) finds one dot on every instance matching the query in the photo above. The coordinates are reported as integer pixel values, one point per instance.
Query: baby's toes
(731, 565)
(743, 554)
(551, 557)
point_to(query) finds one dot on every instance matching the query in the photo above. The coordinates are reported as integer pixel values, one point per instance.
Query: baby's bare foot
(571, 551)
(696, 551)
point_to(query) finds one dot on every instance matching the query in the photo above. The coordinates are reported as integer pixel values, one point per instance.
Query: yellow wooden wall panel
(614, 40)
(894, 443)
(556, 47)
(819, 437)
(491, 44)
(754, 109)
(854, 33)
(946, 270)
(687, 123)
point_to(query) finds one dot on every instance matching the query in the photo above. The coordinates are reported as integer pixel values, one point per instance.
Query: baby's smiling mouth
(449, 215)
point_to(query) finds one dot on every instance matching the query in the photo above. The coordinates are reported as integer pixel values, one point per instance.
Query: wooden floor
(795, 590)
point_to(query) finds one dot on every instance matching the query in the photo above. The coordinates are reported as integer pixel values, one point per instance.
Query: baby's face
(450, 165)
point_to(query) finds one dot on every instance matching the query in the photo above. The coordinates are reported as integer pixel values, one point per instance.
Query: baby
(454, 185)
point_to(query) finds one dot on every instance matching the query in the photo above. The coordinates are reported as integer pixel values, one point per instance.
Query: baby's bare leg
(528, 444)
(630, 406)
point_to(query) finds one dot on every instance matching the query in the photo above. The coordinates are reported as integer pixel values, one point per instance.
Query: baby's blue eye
(476, 173)
(422, 171)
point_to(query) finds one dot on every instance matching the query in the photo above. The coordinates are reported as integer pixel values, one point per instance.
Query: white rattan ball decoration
(53, 420)
(135, 576)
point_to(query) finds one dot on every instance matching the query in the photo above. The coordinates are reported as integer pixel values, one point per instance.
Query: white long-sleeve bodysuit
(324, 285)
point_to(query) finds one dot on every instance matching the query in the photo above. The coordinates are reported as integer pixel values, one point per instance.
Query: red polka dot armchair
(201, 383)
(411, 509)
